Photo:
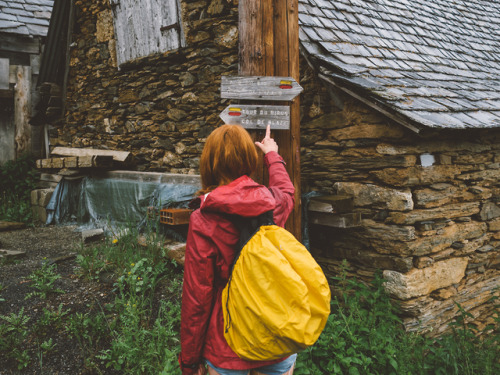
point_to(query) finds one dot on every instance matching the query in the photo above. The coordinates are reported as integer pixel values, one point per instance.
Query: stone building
(401, 110)
(406, 120)
(159, 103)
(23, 28)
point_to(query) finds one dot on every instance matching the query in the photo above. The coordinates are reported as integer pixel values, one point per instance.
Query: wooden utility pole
(269, 46)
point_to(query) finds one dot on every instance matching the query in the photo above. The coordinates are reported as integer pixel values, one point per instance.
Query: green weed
(92, 264)
(145, 336)
(12, 335)
(90, 330)
(43, 280)
(43, 349)
(17, 180)
(50, 320)
(364, 335)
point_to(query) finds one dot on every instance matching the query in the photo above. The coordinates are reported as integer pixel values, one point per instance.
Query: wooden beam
(73, 162)
(22, 110)
(13, 254)
(269, 46)
(120, 156)
(4, 74)
(350, 220)
(20, 44)
(332, 204)
(10, 225)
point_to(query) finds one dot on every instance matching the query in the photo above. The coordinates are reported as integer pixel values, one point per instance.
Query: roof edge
(397, 117)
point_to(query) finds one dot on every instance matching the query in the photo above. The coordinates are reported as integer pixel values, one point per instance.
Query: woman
(228, 159)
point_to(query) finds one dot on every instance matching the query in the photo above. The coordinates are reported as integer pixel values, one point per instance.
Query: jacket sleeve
(281, 187)
(197, 296)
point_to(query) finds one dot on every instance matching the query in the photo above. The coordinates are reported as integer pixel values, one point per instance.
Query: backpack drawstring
(248, 228)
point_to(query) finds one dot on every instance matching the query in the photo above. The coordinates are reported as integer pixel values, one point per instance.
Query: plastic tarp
(306, 198)
(94, 202)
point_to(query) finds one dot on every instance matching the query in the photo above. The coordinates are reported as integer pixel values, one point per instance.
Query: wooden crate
(175, 216)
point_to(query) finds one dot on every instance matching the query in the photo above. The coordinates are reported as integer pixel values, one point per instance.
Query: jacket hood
(243, 197)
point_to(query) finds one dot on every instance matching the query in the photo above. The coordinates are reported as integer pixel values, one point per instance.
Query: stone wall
(433, 230)
(160, 108)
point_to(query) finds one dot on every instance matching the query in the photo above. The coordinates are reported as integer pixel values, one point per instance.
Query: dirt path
(42, 244)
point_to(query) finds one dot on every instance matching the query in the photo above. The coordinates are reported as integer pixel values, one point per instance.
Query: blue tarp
(103, 202)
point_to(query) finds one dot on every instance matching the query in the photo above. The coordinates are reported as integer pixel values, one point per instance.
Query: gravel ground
(57, 244)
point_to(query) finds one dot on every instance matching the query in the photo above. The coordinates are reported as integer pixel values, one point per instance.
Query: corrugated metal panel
(53, 62)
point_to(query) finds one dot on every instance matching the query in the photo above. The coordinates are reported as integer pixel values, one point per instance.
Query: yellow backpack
(277, 300)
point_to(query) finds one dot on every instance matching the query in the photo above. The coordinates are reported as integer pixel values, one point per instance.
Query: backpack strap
(248, 226)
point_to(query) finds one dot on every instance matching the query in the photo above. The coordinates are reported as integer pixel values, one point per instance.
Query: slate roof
(426, 63)
(25, 17)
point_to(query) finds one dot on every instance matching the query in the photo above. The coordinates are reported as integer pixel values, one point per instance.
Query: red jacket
(210, 248)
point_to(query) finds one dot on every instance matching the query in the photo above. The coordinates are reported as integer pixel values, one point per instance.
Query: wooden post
(22, 110)
(269, 46)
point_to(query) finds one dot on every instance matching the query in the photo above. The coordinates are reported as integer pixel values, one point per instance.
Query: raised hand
(268, 144)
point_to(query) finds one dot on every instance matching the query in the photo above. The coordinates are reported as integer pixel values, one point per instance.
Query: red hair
(229, 153)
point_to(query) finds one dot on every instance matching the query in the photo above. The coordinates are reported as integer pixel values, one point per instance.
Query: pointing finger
(268, 131)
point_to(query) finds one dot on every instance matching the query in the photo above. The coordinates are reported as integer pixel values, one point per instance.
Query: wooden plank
(257, 116)
(7, 94)
(86, 161)
(19, 43)
(250, 26)
(332, 204)
(268, 38)
(50, 177)
(22, 110)
(10, 225)
(12, 74)
(4, 74)
(349, 220)
(120, 156)
(14, 254)
(35, 64)
(259, 88)
(94, 161)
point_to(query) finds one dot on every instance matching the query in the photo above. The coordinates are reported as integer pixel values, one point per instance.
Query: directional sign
(257, 116)
(259, 88)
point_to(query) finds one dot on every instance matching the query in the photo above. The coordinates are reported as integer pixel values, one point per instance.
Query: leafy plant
(363, 335)
(138, 348)
(17, 180)
(50, 320)
(44, 348)
(362, 331)
(466, 350)
(90, 331)
(43, 281)
(92, 264)
(12, 336)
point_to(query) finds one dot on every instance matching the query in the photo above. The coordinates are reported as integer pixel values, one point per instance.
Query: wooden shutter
(144, 27)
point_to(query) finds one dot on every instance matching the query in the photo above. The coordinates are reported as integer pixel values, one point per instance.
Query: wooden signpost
(257, 116)
(269, 46)
(259, 88)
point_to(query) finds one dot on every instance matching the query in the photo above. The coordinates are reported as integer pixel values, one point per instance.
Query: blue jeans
(276, 369)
